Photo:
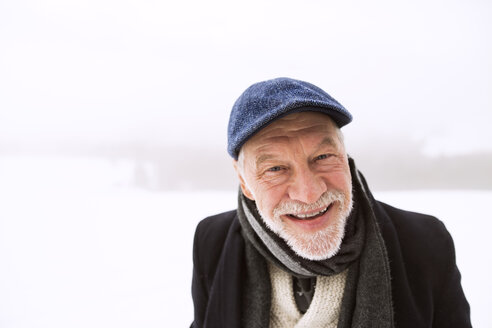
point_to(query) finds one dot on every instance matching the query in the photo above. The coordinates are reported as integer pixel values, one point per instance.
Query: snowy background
(84, 251)
(113, 119)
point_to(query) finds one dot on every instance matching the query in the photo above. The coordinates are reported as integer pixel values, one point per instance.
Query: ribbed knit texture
(324, 310)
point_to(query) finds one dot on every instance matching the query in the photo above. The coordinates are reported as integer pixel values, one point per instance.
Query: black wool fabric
(425, 281)
(303, 292)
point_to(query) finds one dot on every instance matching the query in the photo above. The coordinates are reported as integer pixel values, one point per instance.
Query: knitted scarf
(367, 296)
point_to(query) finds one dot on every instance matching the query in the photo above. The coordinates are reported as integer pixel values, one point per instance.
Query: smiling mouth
(310, 216)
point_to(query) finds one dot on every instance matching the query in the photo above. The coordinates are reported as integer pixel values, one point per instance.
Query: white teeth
(306, 216)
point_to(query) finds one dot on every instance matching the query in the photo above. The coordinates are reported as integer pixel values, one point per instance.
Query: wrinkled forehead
(297, 123)
(293, 126)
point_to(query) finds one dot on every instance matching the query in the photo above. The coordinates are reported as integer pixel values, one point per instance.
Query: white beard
(319, 245)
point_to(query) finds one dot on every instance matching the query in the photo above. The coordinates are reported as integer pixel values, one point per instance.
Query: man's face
(296, 170)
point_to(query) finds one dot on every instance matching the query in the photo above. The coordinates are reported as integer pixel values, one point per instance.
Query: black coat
(426, 287)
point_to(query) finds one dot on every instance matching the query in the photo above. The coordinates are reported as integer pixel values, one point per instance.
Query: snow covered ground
(80, 247)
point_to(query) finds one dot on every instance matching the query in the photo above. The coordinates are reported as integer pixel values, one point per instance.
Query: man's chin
(316, 246)
(315, 240)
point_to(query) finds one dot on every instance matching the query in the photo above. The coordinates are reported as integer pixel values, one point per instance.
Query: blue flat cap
(264, 102)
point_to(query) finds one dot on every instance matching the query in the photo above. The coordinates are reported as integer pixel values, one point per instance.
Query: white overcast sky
(96, 71)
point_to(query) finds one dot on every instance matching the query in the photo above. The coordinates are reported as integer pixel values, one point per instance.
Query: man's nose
(306, 187)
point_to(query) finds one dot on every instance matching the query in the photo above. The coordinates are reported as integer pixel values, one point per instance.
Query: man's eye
(274, 169)
(320, 157)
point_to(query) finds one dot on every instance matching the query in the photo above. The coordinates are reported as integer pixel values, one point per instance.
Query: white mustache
(296, 207)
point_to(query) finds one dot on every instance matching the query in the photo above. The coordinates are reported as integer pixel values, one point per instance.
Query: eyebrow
(263, 158)
(327, 141)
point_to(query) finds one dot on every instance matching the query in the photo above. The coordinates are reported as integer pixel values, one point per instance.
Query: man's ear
(244, 187)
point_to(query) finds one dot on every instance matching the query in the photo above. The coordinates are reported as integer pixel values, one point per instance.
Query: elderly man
(308, 245)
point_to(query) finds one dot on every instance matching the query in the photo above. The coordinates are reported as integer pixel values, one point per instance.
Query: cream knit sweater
(323, 311)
